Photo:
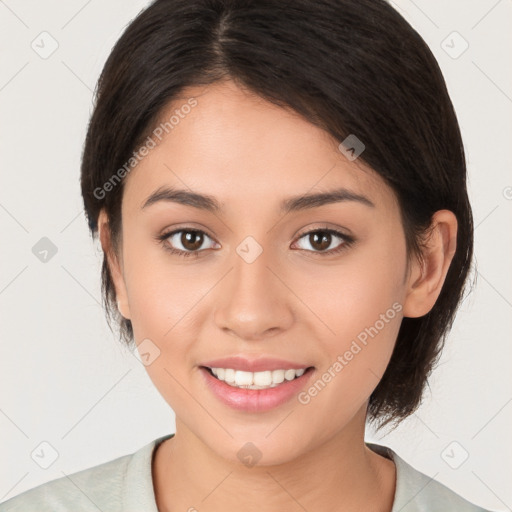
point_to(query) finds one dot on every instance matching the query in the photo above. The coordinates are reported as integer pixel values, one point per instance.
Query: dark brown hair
(349, 67)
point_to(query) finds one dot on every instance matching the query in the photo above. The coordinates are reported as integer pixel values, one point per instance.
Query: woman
(279, 189)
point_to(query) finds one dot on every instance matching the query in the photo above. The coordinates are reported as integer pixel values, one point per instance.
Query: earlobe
(113, 265)
(427, 276)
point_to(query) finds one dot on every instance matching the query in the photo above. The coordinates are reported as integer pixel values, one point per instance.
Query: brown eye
(185, 242)
(321, 240)
(191, 240)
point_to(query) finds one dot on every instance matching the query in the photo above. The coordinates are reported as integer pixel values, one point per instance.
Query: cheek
(162, 299)
(160, 290)
(361, 304)
(166, 299)
(352, 295)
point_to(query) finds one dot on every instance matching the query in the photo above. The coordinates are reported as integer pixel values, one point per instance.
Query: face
(318, 286)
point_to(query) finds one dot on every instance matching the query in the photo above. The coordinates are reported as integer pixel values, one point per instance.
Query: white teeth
(243, 378)
(289, 374)
(229, 375)
(255, 380)
(261, 378)
(278, 376)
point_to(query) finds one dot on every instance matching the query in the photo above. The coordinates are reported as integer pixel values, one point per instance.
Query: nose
(253, 303)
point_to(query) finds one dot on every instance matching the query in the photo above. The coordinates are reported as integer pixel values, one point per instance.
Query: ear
(426, 277)
(114, 265)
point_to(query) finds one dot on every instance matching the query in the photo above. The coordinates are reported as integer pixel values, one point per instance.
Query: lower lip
(255, 400)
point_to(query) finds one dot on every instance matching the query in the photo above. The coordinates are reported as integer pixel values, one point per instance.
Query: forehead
(234, 145)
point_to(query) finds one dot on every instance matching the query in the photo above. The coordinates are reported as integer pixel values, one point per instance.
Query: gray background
(65, 379)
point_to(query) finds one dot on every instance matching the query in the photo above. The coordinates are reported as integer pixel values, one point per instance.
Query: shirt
(125, 484)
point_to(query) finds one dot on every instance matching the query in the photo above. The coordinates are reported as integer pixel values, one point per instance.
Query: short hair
(347, 66)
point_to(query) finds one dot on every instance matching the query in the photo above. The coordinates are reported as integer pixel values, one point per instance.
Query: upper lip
(254, 365)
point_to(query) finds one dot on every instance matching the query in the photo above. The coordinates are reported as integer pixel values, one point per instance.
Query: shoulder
(417, 492)
(98, 487)
(109, 486)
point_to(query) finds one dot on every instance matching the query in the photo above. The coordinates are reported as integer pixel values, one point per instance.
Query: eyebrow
(291, 204)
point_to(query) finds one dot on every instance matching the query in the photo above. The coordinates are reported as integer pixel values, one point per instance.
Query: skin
(292, 302)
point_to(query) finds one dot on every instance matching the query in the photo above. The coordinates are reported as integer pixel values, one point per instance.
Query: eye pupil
(186, 238)
(324, 240)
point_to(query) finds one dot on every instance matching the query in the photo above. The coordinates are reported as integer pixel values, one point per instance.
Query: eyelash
(347, 241)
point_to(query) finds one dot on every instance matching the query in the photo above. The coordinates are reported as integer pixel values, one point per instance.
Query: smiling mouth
(256, 380)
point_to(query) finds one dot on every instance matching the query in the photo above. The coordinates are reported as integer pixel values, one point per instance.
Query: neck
(341, 474)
